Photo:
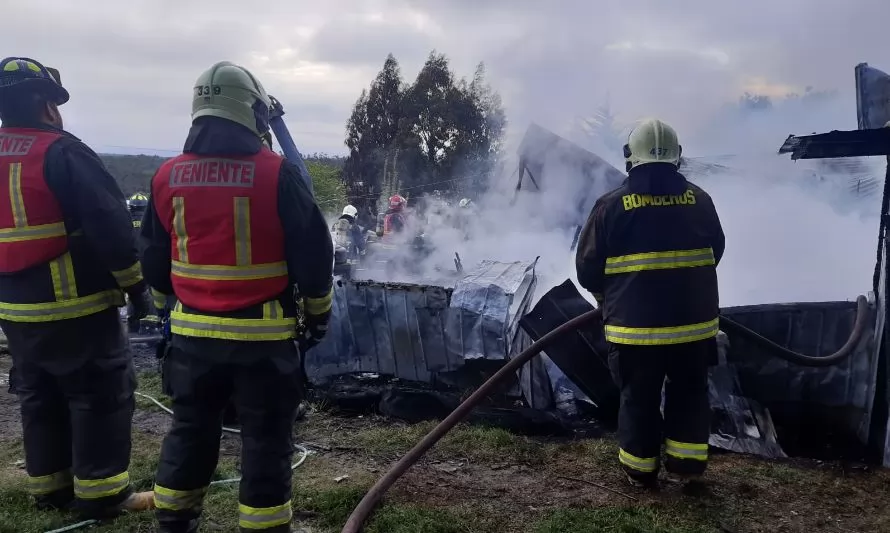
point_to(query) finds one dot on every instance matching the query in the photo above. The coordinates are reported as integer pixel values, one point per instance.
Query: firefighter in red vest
(395, 220)
(67, 257)
(233, 230)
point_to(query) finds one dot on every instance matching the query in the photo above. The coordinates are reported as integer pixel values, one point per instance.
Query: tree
(436, 134)
(133, 174)
(604, 130)
(429, 115)
(453, 131)
(370, 133)
(383, 103)
(329, 191)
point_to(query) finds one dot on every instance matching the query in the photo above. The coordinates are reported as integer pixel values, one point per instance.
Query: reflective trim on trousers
(61, 310)
(93, 489)
(667, 335)
(686, 450)
(264, 517)
(128, 277)
(228, 272)
(41, 485)
(659, 260)
(179, 500)
(645, 465)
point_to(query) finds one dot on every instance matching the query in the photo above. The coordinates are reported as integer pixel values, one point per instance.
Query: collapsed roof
(554, 165)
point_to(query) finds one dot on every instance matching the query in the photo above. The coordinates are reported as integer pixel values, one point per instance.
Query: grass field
(488, 480)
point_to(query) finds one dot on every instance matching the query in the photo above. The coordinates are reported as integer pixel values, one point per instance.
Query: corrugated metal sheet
(872, 97)
(485, 309)
(418, 332)
(840, 395)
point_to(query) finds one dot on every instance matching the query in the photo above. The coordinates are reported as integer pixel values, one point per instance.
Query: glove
(141, 306)
(315, 331)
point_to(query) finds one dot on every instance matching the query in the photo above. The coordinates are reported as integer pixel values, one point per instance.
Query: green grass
(150, 384)
(616, 520)
(478, 443)
(364, 449)
(418, 519)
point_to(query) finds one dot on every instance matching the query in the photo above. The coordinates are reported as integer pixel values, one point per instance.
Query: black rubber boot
(178, 527)
(56, 501)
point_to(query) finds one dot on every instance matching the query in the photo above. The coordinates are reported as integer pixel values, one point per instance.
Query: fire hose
(369, 502)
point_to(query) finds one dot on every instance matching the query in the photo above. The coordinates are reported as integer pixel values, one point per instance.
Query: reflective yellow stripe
(640, 464)
(92, 489)
(229, 272)
(178, 500)
(30, 233)
(15, 196)
(669, 335)
(237, 329)
(264, 517)
(272, 310)
(128, 277)
(659, 260)
(158, 298)
(62, 272)
(242, 231)
(686, 450)
(319, 306)
(179, 228)
(40, 485)
(62, 310)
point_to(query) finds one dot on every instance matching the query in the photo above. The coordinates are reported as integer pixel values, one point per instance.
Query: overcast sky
(130, 64)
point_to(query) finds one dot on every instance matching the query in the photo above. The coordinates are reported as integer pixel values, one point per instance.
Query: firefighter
(394, 221)
(348, 234)
(231, 230)
(137, 204)
(649, 253)
(67, 257)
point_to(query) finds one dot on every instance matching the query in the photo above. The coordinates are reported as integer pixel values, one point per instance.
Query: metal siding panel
(431, 329)
(375, 297)
(362, 328)
(396, 301)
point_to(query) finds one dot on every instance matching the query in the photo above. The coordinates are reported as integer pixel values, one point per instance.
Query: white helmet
(465, 202)
(350, 210)
(652, 141)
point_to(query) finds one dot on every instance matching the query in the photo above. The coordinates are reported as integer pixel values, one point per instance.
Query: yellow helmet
(652, 141)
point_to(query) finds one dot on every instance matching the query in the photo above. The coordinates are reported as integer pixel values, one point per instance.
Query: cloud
(130, 65)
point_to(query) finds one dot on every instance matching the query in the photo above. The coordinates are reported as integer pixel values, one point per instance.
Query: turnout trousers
(75, 382)
(642, 372)
(264, 380)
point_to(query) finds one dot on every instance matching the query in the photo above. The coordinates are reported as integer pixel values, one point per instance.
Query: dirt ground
(487, 480)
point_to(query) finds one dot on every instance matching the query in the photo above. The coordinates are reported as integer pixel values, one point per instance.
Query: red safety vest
(227, 240)
(388, 226)
(32, 228)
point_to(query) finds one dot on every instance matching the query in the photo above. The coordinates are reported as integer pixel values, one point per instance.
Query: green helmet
(230, 91)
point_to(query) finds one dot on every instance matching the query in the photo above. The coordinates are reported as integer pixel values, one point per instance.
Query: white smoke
(794, 232)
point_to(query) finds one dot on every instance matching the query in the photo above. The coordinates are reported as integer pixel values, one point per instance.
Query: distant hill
(134, 172)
